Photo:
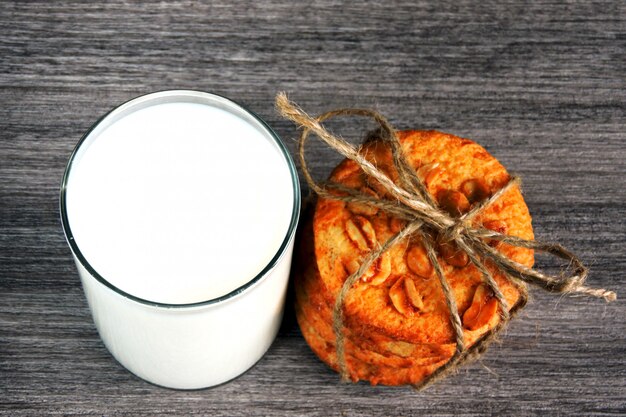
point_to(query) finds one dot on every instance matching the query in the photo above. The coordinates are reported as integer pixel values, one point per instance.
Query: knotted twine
(414, 204)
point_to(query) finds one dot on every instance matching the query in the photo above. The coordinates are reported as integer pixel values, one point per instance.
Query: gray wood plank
(540, 84)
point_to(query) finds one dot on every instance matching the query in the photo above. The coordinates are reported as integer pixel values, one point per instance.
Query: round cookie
(396, 323)
(345, 233)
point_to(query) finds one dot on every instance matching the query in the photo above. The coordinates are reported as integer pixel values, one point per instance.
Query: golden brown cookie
(397, 311)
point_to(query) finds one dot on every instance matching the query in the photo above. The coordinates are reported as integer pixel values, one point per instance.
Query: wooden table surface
(541, 85)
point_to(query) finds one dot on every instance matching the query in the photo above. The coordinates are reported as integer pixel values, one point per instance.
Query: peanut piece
(452, 254)
(397, 294)
(499, 226)
(361, 232)
(412, 294)
(432, 175)
(475, 190)
(351, 266)
(362, 208)
(453, 202)
(484, 307)
(418, 262)
(379, 271)
(428, 172)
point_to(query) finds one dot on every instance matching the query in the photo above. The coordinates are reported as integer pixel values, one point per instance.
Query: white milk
(179, 202)
(180, 208)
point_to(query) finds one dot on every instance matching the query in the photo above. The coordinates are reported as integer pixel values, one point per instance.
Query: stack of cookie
(396, 324)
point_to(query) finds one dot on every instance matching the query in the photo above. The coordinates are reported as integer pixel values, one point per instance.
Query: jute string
(412, 203)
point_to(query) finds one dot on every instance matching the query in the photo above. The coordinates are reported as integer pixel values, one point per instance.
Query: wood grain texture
(542, 85)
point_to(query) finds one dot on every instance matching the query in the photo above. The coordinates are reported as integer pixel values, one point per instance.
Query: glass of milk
(180, 208)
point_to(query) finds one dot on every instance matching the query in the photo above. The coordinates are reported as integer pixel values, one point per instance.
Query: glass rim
(167, 96)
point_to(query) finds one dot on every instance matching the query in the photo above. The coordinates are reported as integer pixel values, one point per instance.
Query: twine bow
(415, 205)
